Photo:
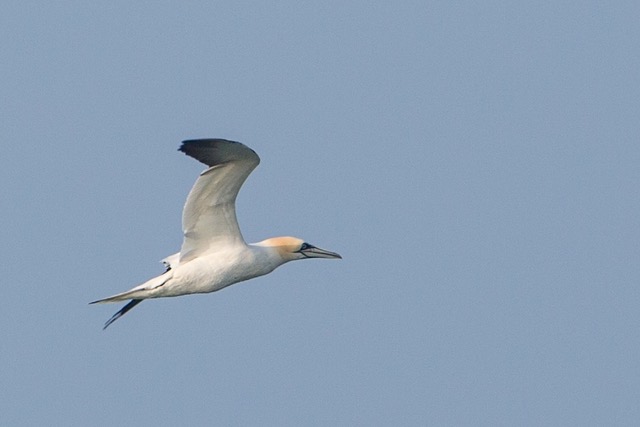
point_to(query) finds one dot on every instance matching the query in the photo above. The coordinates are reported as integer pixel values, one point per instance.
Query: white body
(211, 272)
(214, 255)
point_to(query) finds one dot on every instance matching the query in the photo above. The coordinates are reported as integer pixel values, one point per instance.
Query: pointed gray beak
(313, 252)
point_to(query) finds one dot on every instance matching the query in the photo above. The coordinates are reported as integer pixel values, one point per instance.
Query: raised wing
(209, 215)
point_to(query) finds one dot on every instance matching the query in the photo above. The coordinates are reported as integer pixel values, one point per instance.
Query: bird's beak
(314, 252)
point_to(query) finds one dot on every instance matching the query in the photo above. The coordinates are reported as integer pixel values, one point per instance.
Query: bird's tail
(144, 291)
(136, 295)
(123, 296)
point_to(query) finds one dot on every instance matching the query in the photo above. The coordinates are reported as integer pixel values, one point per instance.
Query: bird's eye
(305, 246)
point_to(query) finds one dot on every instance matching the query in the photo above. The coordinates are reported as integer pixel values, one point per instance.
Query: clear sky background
(476, 164)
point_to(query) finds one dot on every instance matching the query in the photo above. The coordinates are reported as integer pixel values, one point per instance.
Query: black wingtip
(215, 151)
(122, 312)
(191, 143)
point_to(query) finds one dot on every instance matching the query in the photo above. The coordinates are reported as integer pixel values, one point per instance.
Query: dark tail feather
(122, 312)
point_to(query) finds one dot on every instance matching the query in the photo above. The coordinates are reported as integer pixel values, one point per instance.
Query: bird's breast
(215, 271)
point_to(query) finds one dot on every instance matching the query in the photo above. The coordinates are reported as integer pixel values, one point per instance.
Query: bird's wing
(209, 215)
(171, 261)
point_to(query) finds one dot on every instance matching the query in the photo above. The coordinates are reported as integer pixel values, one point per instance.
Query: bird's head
(292, 248)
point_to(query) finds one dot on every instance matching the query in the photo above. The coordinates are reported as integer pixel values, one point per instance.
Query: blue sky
(475, 163)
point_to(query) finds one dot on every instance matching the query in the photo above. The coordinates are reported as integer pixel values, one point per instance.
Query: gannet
(214, 254)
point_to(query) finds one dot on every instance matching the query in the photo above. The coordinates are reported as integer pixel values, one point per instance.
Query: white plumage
(214, 254)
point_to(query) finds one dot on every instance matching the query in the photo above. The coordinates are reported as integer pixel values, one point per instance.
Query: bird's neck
(267, 255)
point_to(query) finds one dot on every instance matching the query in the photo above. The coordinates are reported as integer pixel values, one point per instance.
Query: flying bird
(213, 254)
